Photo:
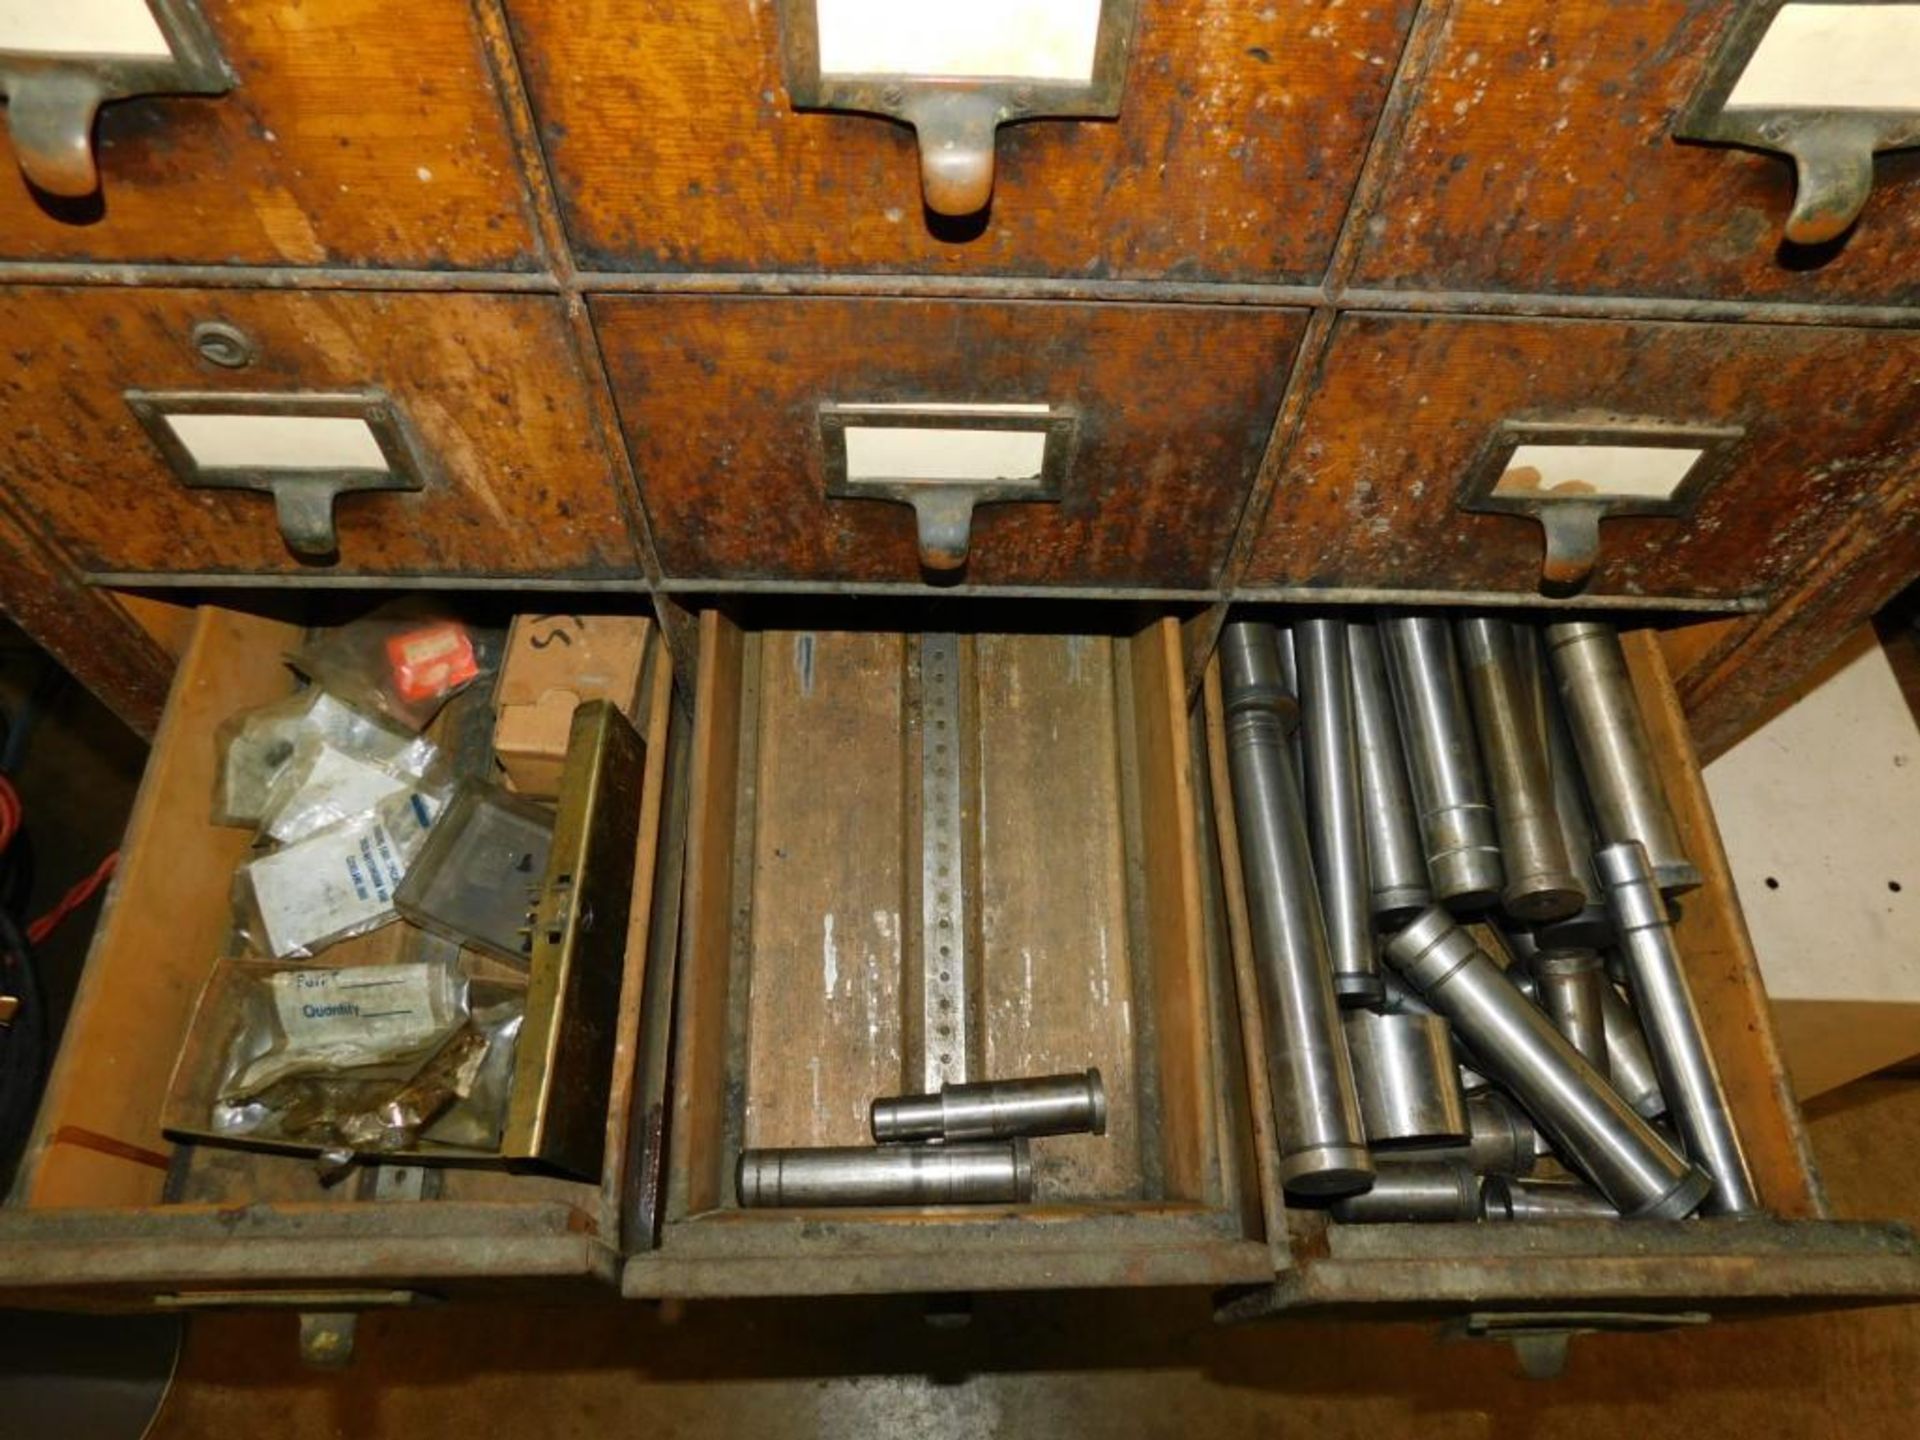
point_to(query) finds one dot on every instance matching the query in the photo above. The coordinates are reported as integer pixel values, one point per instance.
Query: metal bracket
(1542, 1340)
(1570, 519)
(956, 117)
(1832, 149)
(943, 509)
(944, 961)
(303, 499)
(53, 98)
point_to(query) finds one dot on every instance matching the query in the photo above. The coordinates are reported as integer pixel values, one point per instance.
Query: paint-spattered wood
(1368, 495)
(674, 147)
(102, 644)
(519, 482)
(1742, 670)
(1540, 157)
(359, 132)
(824, 1010)
(1053, 955)
(720, 397)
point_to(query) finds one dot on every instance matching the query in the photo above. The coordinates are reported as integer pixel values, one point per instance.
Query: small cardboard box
(553, 663)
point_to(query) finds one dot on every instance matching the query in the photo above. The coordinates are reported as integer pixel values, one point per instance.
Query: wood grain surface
(1241, 132)
(1540, 156)
(359, 132)
(1055, 941)
(520, 483)
(1402, 406)
(720, 397)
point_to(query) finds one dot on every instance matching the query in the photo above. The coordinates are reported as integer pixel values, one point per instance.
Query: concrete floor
(1099, 1365)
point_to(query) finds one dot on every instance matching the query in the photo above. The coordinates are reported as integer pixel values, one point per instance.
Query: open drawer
(915, 857)
(107, 1212)
(1532, 1277)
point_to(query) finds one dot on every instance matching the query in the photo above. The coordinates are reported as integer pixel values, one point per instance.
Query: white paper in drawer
(339, 882)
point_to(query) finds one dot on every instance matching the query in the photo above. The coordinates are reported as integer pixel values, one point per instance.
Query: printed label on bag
(384, 1009)
(340, 881)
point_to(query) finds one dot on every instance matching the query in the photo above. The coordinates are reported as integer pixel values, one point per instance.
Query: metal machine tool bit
(1506, 1198)
(1413, 1191)
(1396, 861)
(1335, 820)
(1316, 1110)
(1589, 927)
(1540, 883)
(1588, 1123)
(1501, 1139)
(985, 1173)
(1408, 1078)
(1697, 1099)
(995, 1110)
(1443, 761)
(1616, 757)
(1629, 1061)
(1568, 986)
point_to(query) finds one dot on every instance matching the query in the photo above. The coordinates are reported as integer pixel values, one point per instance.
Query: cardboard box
(552, 664)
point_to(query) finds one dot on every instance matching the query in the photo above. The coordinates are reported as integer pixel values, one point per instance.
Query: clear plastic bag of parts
(328, 780)
(369, 1058)
(258, 748)
(337, 882)
(403, 661)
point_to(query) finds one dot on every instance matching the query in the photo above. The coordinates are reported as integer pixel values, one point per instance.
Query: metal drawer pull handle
(1571, 475)
(944, 459)
(60, 62)
(304, 450)
(1829, 82)
(957, 72)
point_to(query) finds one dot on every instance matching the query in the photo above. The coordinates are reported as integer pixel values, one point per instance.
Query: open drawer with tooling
(1552, 1277)
(108, 1210)
(920, 856)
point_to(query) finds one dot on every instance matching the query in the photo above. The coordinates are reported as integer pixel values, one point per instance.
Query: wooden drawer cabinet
(1163, 414)
(676, 146)
(808, 981)
(511, 475)
(107, 1212)
(1541, 155)
(354, 132)
(1795, 429)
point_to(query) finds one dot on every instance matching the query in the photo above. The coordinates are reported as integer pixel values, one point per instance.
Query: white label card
(380, 1008)
(124, 29)
(1636, 472)
(984, 39)
(279, 442)
(1834, 57)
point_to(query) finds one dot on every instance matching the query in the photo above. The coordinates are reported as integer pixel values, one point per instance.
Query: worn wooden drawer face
(676, 146)
(722, 400)
(1035, 790)
(1781, 432)
(1541, 155)
(1605, 1274)
(356, 132)
(108, 1212)
(489, 404)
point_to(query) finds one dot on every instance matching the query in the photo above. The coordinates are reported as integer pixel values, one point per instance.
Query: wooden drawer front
(1607, 1274)
(356, 132)
(1541, 156)
(721, 401)
(1405, 409)
(809, 980)
(108, 1212)
(1241, 129)
(514, 479)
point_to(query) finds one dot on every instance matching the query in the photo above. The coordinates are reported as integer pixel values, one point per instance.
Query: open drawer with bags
(120, 1200)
